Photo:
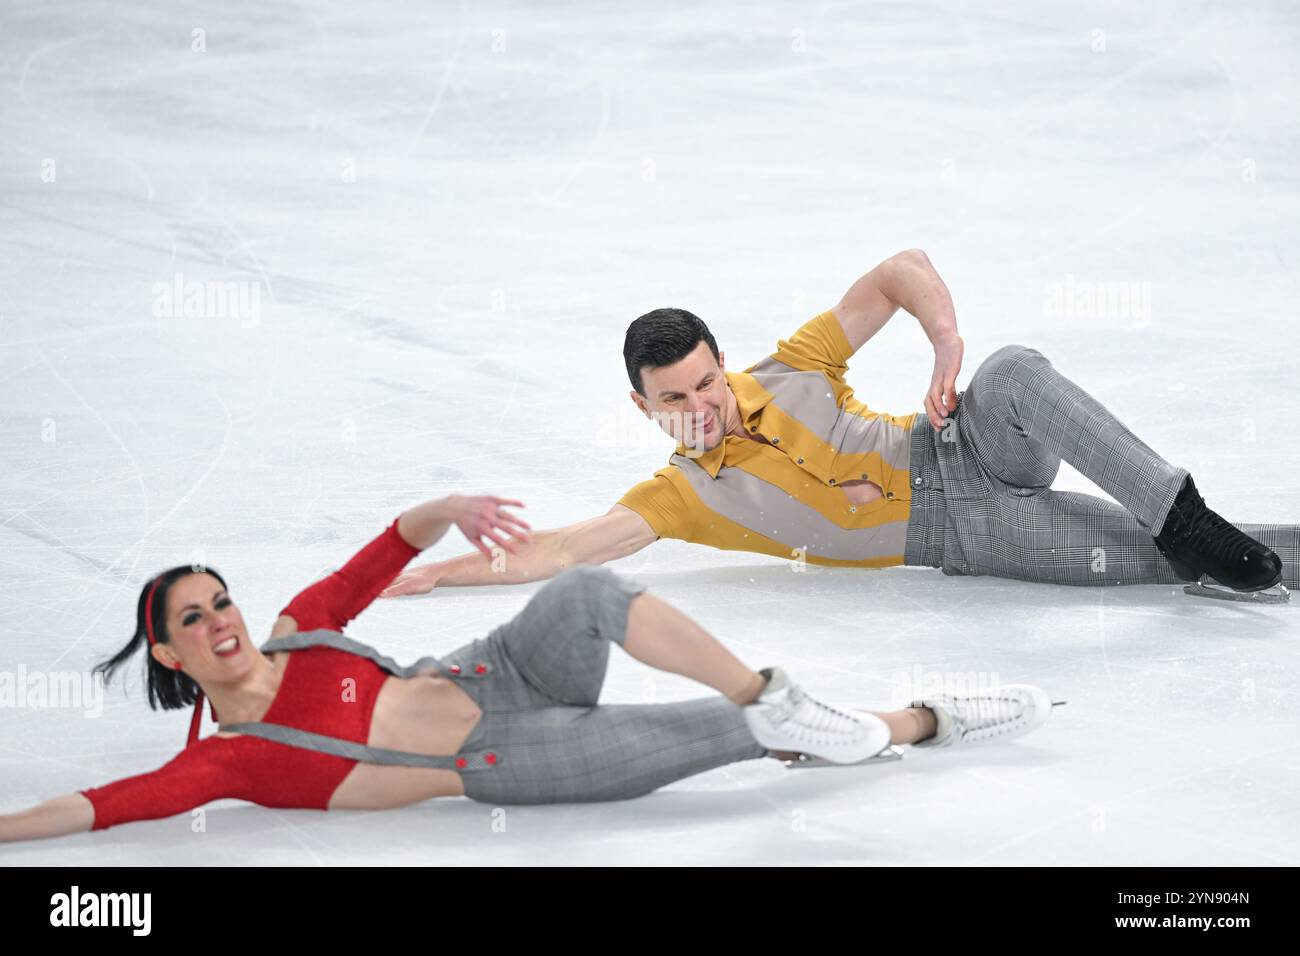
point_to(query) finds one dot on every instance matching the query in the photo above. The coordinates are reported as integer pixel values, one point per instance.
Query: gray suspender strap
(341, 642)
(294, 737)
(480, 760)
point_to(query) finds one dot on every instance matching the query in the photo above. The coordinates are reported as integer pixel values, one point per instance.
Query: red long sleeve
(332, 602)
(239, 768)
(197, 775)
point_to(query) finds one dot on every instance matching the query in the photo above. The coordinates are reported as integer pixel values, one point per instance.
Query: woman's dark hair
(661, 338)
(168, 688)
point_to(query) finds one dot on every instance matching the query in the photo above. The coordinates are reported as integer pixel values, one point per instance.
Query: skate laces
(1207, 530)
(804, 712)
(973, 716)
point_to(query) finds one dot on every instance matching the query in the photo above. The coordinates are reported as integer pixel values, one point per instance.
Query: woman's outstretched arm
(72, 813)
(201, 773)
(335, 600)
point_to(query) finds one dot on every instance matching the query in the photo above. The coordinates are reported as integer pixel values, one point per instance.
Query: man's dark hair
(661, 338)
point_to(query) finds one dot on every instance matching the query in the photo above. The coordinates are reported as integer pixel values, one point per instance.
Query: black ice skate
(1199, 544)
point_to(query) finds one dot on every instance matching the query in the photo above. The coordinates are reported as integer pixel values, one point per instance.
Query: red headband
(148, 611)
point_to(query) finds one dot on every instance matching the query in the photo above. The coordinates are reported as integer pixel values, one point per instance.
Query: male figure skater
(781, 459)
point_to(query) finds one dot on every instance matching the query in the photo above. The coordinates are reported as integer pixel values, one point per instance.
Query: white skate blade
(1207, 587)
(803, 761)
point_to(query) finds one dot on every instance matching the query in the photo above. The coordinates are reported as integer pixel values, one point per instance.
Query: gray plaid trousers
(982, 504)
(540, 710)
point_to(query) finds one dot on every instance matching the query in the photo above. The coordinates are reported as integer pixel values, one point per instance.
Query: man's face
(689, 399)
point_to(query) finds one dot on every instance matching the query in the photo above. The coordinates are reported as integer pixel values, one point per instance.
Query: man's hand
(941, 400)
(419, 580)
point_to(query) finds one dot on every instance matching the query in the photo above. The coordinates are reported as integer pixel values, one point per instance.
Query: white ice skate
(785, 718)
(1005, 712)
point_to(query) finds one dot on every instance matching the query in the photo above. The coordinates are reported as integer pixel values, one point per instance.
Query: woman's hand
(942, 397)
(480, 516)
(477, 517)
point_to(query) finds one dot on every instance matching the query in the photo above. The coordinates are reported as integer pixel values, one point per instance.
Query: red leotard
(313, 696)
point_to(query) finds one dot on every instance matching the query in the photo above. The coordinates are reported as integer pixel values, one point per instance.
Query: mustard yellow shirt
(780, 498)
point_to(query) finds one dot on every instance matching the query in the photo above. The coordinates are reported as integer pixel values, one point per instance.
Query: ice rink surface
(444, 216)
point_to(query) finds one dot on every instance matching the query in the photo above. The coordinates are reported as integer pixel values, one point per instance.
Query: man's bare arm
(906, 280)
(614, 535)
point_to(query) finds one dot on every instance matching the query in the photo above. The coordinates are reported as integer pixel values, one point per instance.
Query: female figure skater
(314, 719)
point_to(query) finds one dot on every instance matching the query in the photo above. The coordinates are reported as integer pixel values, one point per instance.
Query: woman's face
(206, 629)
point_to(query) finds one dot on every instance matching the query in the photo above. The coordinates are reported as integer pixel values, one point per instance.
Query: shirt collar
(751, 399)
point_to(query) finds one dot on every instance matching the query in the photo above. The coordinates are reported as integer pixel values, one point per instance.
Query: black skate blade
(804, 761)
(1207, 587)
